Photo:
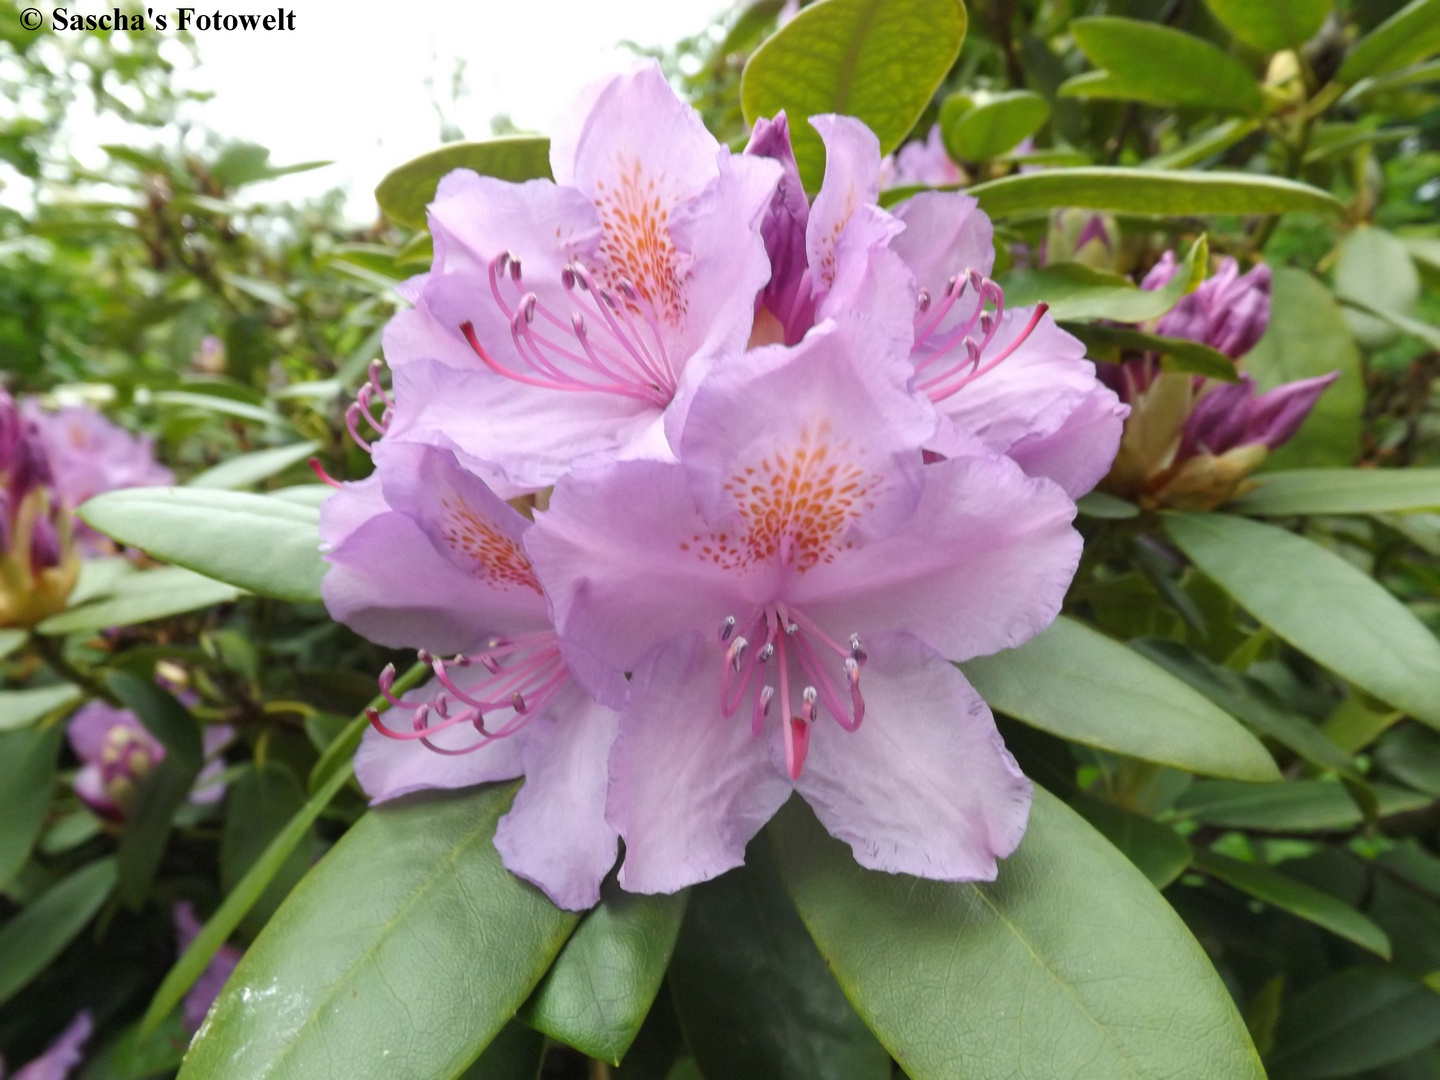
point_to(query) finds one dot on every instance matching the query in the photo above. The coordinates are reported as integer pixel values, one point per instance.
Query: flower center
(523, 675)
(125, 760)
(610, 344)
(800, 651)
(947, 360)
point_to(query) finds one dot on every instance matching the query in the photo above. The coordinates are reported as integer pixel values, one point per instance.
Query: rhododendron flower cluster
(1190, 443)
(38, 561)
(772, 467)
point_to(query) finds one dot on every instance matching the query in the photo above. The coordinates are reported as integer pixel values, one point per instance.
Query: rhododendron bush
(891, 541)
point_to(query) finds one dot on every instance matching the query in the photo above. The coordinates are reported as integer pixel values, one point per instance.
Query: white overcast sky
(349, 83)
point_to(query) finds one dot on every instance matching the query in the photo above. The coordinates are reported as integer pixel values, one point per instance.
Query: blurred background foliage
(237, 332)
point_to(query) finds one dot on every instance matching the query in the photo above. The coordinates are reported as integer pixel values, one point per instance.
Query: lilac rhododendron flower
(1009, 378)
(1191, 443)
(424, 555)
(217, 972)
(788, 597)
(63, 1055)
(925, 163)
(572, 314)
(38, 562)
(117, 753)
(90, 455)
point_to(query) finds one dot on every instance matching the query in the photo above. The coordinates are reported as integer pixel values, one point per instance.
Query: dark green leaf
(1150, 191)
(1301, 900)
(658, 1046)
(879, 60)
(600, 988)
(1143, 61)
(1307, 336)
(1411, 34)
(147, 825)
(1274, 24)
(1294, 806)
(21, 708)
(1177, 354)
(1074, 291)
(1353, 1021)
(1341, 491)
(1160, 853)
(1320, 604)
(27, 772)
(1413, 754)
(246, 469)
(405, 192)
(753, 995)
(411, 909)
(1071, 964)
(1081, 685)
(514, 1054)
(261, 802)
(37, 935)
(269, 546)
(1103, 507)
(1251, 702)
(980, 130)
(137, 598)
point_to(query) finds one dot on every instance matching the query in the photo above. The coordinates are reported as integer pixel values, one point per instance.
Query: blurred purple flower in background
(212, 980)
(924, 163)
(62, 1057)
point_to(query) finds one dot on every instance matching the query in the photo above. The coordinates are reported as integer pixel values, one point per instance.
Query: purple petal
(981, 566)
(926, 163)
(555, 835)
(851, 184)
(1219, 419)
(63, 1055)
(1277, 414)
(689, 788)
(1080, 452)
(208, 986)
(89, 784)
(945, 234)
(925, 786)
(787, 295)
(90, 727)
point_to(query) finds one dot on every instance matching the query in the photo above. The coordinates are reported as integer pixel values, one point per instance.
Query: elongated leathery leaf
(37, 935)
(1144, 61)
(1296, 897)
(1341, 491)
(1273, 25)
(1353, 1021)
(1070, 964)
(405, 191)
(1320, 604)
(1081, 685)
(1411, 34)
(21, 708)
(1150, 191)
(879, 60)
(1294, 806)
(1160, 853)
(269, 546)
(411, 910)
(602, 984)
(137, 598)
(252, 886)
(1074, 291)
(27, 773)
(246, 469)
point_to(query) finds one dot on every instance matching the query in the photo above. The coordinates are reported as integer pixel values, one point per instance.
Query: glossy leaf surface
(405, 191)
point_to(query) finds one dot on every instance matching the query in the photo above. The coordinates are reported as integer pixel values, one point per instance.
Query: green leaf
(1411, 34)
(1070, 964)
(268, 546)
(411, 909)
(1320, 604)
(247, 469)
(241, 410)
(27, 772)
(1413, 754)
(1177, 354)
(753, 996)
(1075, 682)
(37, 935)
(1341, 491)
(983, 129)
(1421, 331)
(1251, 702)
(1359, 1019)
(261, 802)
(10, 640)
(1374, 271)
(1180, 193)
(1299, 899)
(252, 886)
(514, 1054)
(1099, 505)
(1158, 851)
(1273, 25)
(1307, 336)
(21, 708)
(1294, 806)
(141, 597)
(1147, 62)
(599, 991)
(405, 192)
(1075, 291)
(879, 60)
